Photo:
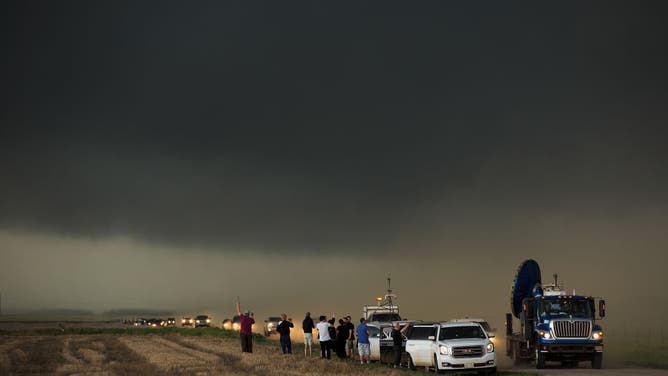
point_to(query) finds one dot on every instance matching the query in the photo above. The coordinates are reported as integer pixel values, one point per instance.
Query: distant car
(187, 321)
(139, 322)
(171, 321)
(227, 324)
(236, 323)
(155, 323)
(202, 321)
(270, 325)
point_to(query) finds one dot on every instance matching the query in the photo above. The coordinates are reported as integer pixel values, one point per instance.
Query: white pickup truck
(451, 346)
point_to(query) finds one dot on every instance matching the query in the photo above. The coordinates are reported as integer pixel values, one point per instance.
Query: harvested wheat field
(108, 354)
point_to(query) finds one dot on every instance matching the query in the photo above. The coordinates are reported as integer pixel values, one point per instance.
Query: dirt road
(595, 372)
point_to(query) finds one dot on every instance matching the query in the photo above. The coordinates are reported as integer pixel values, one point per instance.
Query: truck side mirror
(601, 308)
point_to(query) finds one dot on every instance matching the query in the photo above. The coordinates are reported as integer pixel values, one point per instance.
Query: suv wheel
(411, 365)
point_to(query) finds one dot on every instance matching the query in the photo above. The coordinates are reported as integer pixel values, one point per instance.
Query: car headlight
(270, 324)
(444, 350)
(597, 335)
(490, 347)
(545, 334)
(208, 320)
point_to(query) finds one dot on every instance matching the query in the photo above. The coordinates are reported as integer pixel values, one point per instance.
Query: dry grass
(167, 355)
(33, 355)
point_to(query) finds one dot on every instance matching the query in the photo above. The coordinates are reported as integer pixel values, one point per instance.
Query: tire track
(169, 356)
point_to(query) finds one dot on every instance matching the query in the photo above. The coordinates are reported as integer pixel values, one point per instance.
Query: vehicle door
(419, 344)
(374, 342)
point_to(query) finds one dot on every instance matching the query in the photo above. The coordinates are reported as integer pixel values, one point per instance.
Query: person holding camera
(246, 331)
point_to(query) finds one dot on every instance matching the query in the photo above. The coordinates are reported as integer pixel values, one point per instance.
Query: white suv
(452, 346)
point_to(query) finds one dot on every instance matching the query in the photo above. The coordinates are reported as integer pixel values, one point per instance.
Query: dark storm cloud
(327, 126)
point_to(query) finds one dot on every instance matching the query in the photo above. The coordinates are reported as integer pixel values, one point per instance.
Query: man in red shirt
(246, 319)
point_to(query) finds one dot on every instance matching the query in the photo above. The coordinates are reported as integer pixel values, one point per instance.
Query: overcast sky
(387, 132)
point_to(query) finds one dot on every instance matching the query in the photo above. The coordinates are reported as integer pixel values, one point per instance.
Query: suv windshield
(458, 332)
(201, 317)
(385, 317)
(562, 307)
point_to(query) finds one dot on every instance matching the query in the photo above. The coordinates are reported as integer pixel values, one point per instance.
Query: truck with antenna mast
(385, 309)
(554, 325)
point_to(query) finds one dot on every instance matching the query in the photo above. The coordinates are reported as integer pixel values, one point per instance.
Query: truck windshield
(457, 332)
(563, 307)
(385, 317)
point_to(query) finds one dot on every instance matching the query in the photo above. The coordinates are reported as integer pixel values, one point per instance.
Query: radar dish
(526, 278)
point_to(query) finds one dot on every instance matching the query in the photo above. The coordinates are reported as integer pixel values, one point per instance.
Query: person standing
(283, 329)
(363, 345)
(308, 326)
(324, 338)
(397, 340)
(246, 331)
(350, 343)
(341, 338)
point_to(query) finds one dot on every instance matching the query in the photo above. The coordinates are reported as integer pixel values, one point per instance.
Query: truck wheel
(516, 354)
(411, 365)
(540, 359)
(597, 361)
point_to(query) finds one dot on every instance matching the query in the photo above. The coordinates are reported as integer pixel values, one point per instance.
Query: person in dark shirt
(341, 338)
(283, 329)
(397, 340)
(350, 342)
(246, 331)
(308, 326)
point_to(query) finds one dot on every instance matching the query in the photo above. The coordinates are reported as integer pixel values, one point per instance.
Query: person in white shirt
(324, 338)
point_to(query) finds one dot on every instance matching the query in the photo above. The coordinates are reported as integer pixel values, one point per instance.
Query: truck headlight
(444, 350)
(490, 347)
(597, 335)
(545, 334)
(208, 320)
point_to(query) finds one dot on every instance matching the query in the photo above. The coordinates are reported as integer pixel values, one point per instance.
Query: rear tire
(516, 354)
(597, 361)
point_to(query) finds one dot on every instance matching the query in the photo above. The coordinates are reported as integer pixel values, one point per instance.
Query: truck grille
(571, 329)
(467, 352)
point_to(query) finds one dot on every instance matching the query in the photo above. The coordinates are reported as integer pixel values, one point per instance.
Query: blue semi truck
(554, 326)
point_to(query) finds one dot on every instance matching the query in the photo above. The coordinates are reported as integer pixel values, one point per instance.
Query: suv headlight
(490, 347)
(597, 335)
(444, 350)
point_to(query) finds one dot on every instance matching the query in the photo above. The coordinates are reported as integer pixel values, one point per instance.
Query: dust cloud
(470, 277)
